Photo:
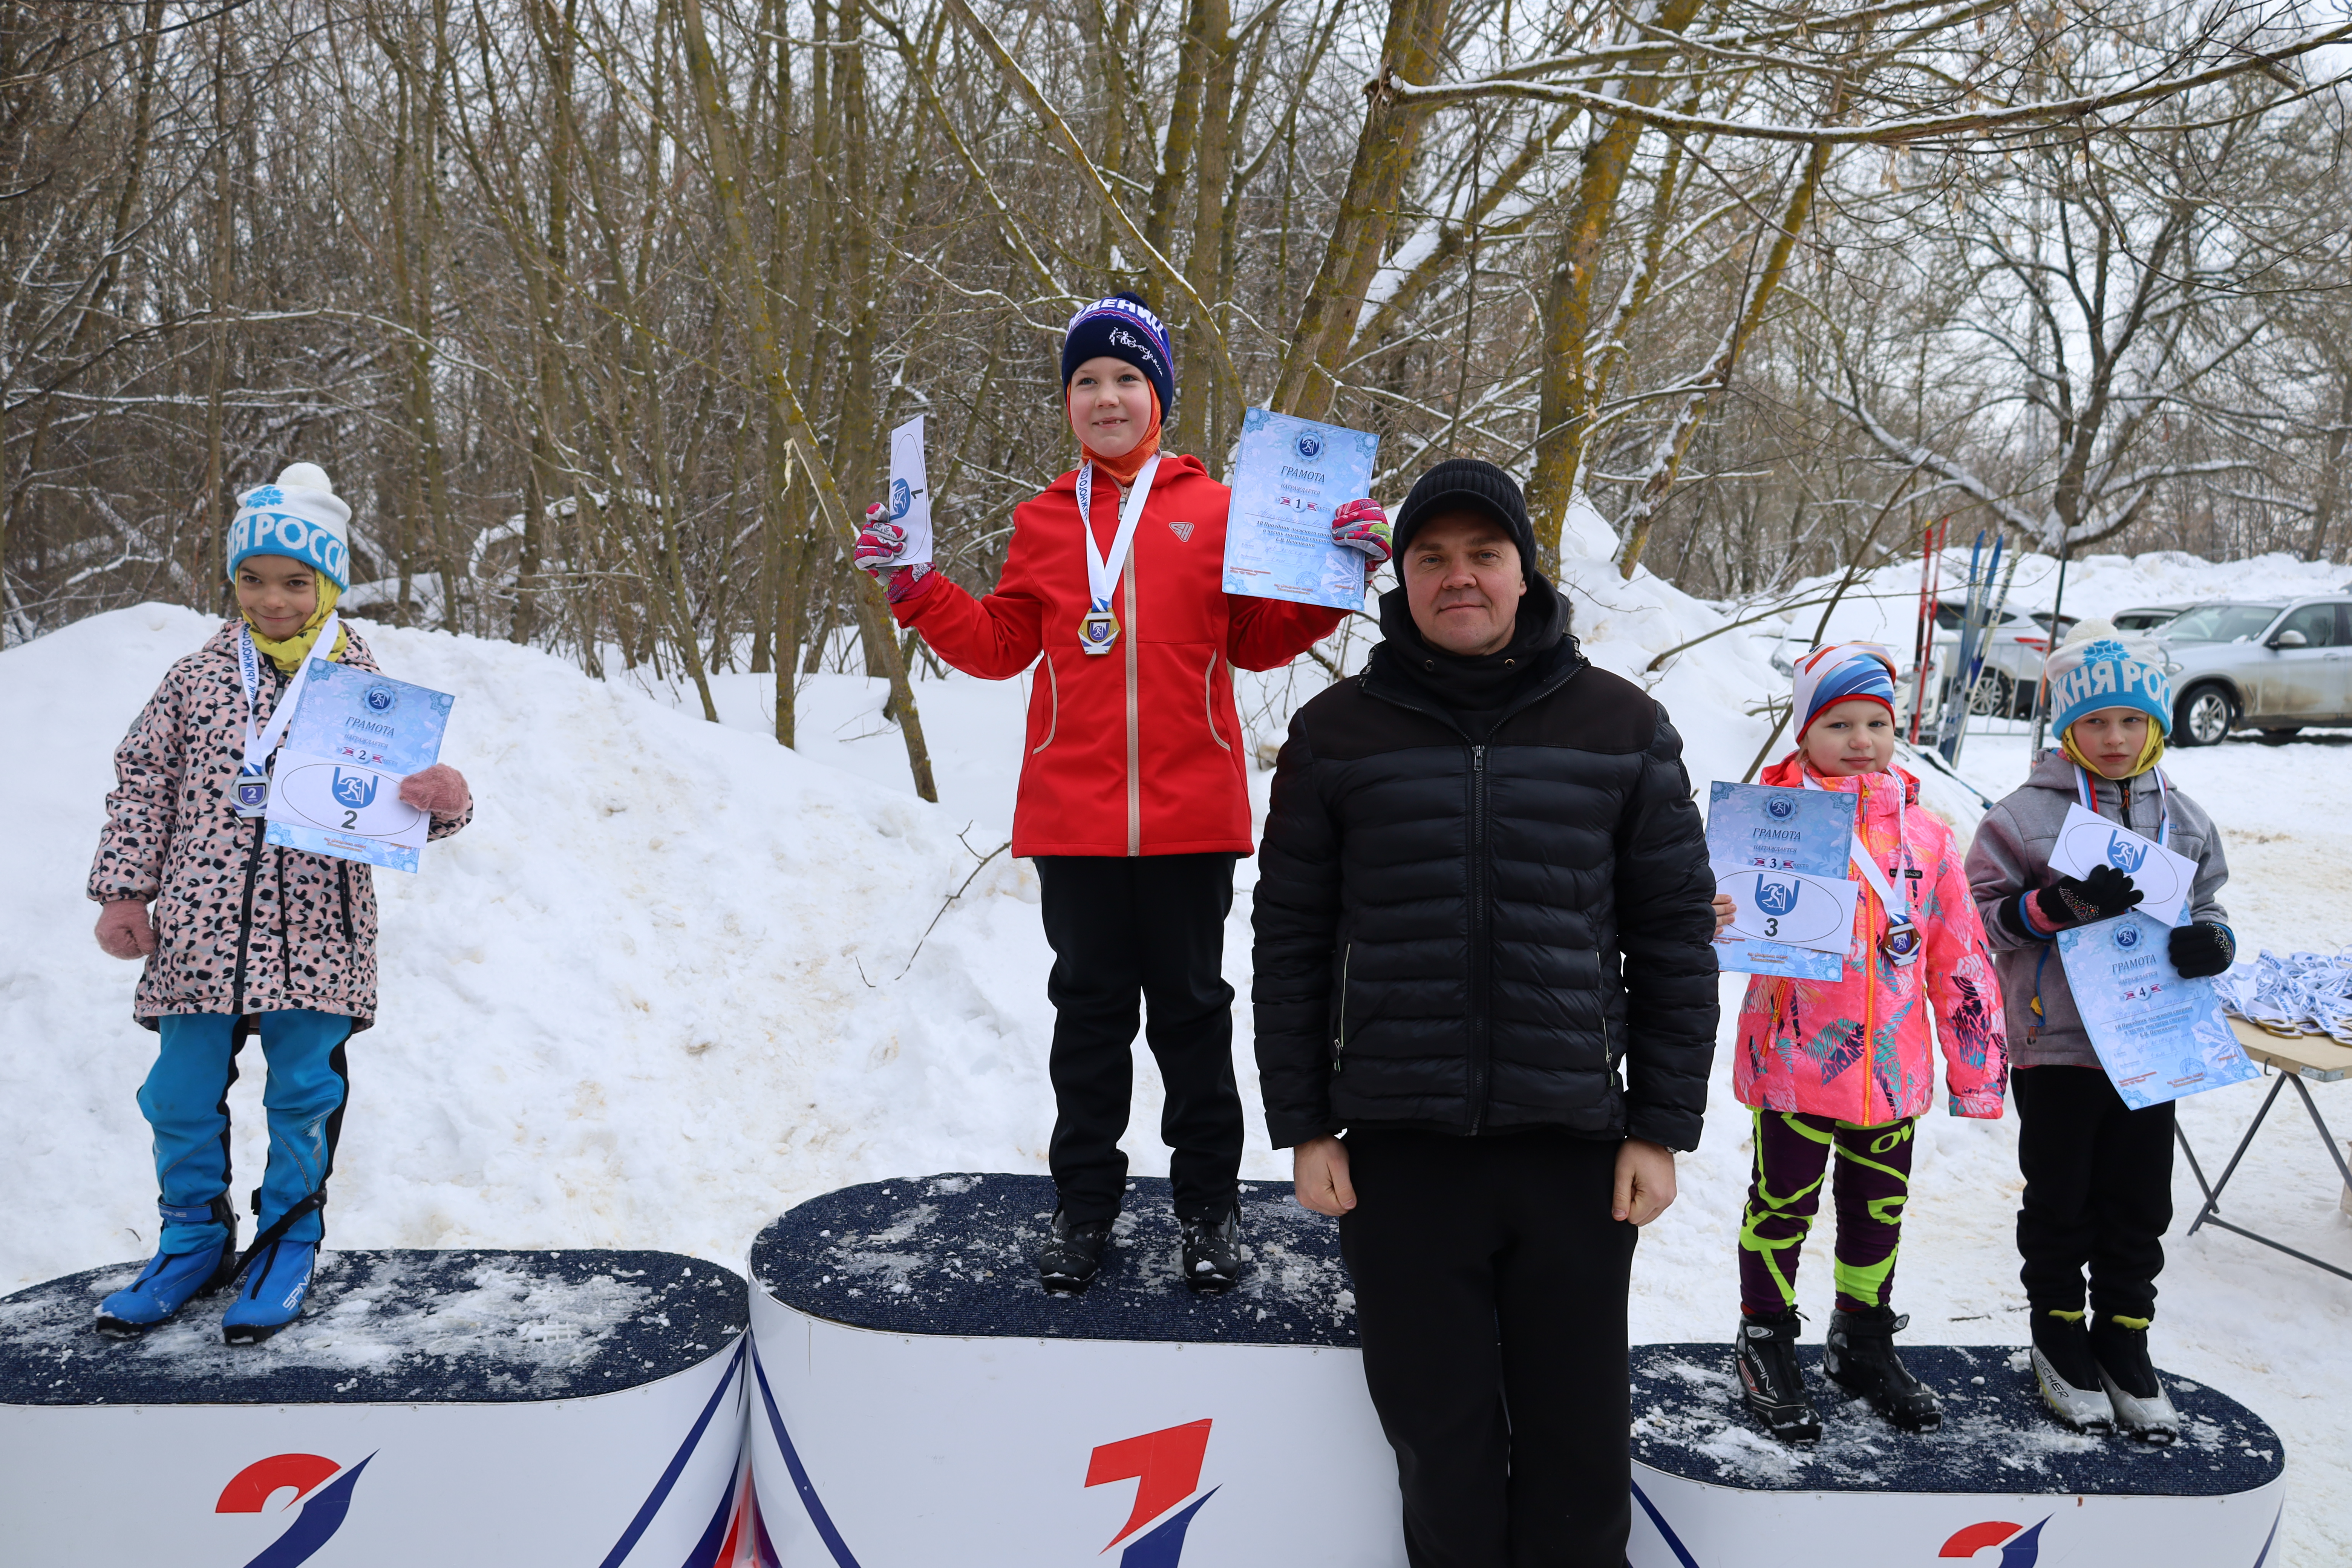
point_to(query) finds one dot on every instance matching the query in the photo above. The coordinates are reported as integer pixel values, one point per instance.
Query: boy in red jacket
(1133, 799)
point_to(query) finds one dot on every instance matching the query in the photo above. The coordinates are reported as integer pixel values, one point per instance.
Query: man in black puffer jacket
(1484, 953)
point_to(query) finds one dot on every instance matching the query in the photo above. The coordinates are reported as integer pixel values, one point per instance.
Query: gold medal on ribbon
(1097, 629)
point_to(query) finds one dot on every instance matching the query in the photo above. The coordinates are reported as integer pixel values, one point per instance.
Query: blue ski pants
(185, 1102)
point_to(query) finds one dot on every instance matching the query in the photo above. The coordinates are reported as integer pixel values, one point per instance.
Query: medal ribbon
(259, 745)
(1102, 571)
(1869, 862)
(2082, 787)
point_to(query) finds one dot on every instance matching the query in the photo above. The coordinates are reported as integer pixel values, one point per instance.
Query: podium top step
(1996, 1437)
(462, 1327)
(950, 1254)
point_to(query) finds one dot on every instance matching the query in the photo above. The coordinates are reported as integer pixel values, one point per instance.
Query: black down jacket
(1479, 938)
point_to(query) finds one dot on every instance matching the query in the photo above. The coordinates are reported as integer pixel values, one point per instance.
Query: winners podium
(918, 1400)
(2000, 1485)
(911, 1398)
(582, 1408)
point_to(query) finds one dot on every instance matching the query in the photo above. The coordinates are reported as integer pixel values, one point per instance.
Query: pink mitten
(123, 930)
(1362, 525)
(439, 789)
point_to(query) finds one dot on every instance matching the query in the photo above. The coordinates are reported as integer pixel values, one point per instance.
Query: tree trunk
(1565, 406)
(1359, 231)
(719, 133)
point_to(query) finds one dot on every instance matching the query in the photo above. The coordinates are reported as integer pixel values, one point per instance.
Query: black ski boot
(2143, 1412)
(1067, 1261)
(1212, 1253)
(1860, 1358)
(1765, 1350)
(2066, 1371)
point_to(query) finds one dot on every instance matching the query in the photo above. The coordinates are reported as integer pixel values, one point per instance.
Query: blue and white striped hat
(1840, 673)
(300, 517)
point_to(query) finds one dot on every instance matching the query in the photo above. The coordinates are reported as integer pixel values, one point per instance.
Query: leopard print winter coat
(241, 926)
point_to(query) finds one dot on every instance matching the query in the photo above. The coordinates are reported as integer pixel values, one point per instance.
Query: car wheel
(2281, 737)
(1995, 696)
(2203, 718)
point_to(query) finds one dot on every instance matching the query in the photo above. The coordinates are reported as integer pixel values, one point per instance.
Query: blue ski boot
(272, 1297)
(171, 1280)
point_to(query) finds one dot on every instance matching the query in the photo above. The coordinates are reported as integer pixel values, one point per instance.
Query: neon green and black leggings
(1872, 1185)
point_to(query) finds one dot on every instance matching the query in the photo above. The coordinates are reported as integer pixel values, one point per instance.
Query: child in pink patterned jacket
(1842, 1068)
(246, 937)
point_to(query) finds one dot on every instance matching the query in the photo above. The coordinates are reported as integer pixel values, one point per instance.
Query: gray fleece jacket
(2010, 855)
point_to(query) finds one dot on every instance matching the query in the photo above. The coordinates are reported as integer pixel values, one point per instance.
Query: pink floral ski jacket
(241, 926)
(1858, 1048)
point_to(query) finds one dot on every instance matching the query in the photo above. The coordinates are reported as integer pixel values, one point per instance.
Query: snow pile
(1883, 605)
(665, 985)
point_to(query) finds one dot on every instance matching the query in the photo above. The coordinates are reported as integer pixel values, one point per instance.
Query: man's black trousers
(2098, 1192)
(1490, 1292)
(1151, 927)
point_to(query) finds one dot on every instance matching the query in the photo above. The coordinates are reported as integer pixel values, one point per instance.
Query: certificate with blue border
(2159, 1035)
(335, 788)
(1782, 855)
(1289, 475)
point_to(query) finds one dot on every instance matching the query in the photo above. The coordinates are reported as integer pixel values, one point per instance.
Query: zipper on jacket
(1339, 1040)
(1134, 721)
(343, 875)
(1482, 946)
(245, 919)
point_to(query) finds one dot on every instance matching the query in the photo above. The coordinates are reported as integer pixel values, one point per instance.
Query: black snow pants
(1148, 927)
(2098, 1192)
(1490, 1293)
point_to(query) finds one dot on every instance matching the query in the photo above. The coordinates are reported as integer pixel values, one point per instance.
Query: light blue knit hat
(2094, 669)
(300, 517)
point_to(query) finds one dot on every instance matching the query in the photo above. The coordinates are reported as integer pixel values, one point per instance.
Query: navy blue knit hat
(1123, 327)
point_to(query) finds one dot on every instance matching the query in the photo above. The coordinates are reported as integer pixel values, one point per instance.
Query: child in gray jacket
(2098, 1175)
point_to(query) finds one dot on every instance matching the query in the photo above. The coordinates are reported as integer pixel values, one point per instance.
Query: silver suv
(2263, 665)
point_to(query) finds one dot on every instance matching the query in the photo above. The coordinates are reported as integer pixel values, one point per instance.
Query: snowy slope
(630, 1005)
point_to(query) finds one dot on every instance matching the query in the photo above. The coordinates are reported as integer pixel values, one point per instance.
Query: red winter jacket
(1137, 751)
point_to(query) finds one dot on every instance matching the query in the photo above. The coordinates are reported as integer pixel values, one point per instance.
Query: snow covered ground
(674, 980)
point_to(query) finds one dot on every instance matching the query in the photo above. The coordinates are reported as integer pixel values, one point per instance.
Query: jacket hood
(1540, 648)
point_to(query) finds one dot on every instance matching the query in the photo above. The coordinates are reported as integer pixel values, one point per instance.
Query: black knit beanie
(1468, 484)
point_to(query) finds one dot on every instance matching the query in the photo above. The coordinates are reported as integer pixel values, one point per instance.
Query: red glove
(439, 789)
(881, 543)
(1362, 525)
(123, 930)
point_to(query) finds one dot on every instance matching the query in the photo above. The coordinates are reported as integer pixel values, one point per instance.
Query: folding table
(2294, 1057)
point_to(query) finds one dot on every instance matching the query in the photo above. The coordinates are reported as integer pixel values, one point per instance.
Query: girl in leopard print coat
(247, 938)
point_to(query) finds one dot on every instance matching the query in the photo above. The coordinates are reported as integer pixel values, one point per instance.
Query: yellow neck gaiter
(289, 653)
(2148, 756)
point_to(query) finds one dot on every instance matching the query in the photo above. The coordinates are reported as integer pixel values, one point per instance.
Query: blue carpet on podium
(456, 1326)
(1996, 1436)
(950, 1254)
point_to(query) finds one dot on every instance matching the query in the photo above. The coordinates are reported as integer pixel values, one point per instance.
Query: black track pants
(1146, 927)
(2098, 1191)
(1490, 1291)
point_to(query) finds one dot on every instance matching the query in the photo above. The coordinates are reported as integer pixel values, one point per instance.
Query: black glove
(2203, 948)
(2101, 896)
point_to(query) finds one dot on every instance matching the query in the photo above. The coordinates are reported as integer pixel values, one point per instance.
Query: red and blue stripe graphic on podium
(1166, 1468)
(318, 1512)
(2020, 1545)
